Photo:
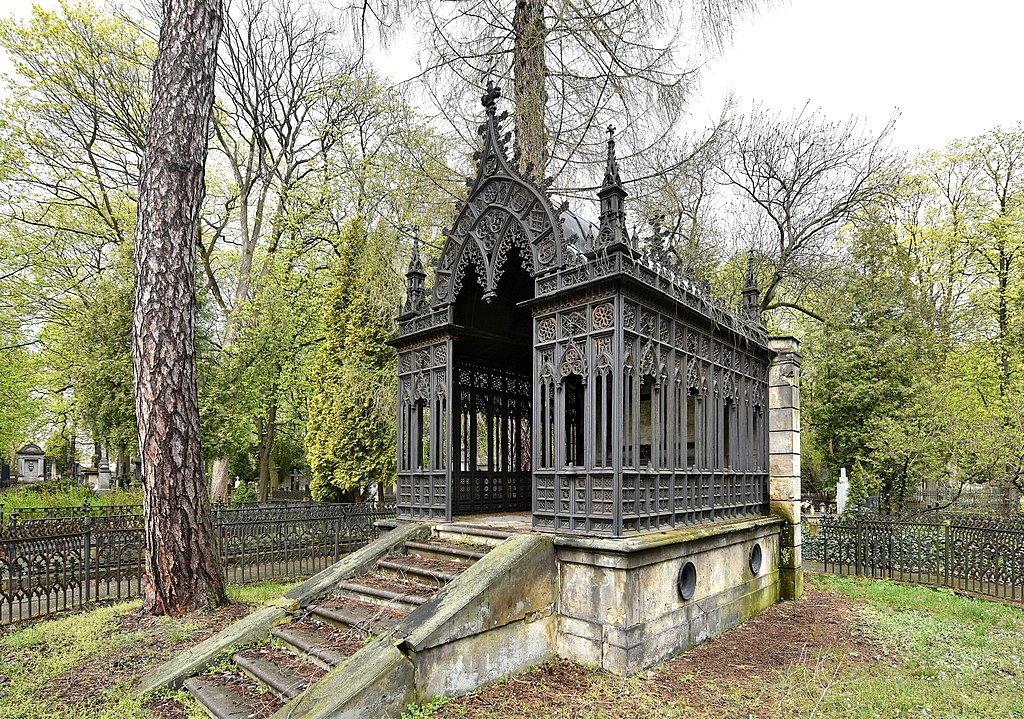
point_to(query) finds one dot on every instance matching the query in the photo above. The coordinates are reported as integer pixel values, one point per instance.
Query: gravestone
(842, 491)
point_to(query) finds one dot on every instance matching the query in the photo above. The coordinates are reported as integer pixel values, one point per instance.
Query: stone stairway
(321, 635)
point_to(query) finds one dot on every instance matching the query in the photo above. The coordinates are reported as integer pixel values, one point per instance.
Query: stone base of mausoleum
(620, 604)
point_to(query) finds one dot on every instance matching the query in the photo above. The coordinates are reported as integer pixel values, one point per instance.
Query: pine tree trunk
(182, 572)
(529, 77)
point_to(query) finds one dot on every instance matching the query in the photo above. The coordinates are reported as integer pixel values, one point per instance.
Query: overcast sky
(950, 69)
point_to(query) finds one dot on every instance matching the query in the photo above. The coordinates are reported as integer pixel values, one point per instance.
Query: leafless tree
(272, 112)
(182, 571)
(570, 66)
(803, 176)
(683, 202)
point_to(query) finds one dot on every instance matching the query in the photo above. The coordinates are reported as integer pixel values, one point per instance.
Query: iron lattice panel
(491, 471)
(422, 495)
(980, 555)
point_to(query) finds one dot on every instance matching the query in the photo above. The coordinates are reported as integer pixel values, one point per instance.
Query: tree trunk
(182, 573)
(529, 78)
(265, 428)
(220, 482)
(1003, 311)
(122, 467)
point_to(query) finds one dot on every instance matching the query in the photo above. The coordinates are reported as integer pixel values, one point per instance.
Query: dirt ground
(153, 644)
(710, 676)
(787, 636)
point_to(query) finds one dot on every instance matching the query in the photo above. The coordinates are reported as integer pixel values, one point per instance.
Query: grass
(64, 494)
(932, 654)
(94, 656)
(955, 656)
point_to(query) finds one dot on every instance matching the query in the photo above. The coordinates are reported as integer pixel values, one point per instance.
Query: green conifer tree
(350, 439)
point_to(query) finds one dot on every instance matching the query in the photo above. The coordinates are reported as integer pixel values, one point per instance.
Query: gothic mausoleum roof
(506, 208)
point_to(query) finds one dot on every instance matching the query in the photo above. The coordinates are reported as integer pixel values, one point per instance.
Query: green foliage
(71, 128)
(350, 439)
(864, 361)
(65, 493)
(243, 494)
(97, 347)
(905, 382)
(17, 374)
(422, 711)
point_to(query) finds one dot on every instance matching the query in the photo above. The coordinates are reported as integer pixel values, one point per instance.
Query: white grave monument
(842, 490)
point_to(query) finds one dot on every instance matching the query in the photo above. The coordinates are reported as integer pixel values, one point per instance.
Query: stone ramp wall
(496, 619)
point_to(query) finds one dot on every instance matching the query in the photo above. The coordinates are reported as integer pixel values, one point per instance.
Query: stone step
(449, 551)
(277, 669)
(390, 592)
(471, 533)
(313, 640)
(224, 696)
(431, 572)
(355, 614)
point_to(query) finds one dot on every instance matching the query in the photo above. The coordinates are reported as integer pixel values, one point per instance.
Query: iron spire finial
(751, 275)
(751, 304)
(415, 262)
(490, 98)
(415, 293)
(611, 170)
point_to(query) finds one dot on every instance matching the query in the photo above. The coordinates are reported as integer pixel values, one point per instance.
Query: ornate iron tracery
(594, 384)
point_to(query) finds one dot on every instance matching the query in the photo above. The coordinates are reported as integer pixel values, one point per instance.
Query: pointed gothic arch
(503, 209)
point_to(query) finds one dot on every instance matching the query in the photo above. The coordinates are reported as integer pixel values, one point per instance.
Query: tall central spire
(612, 235)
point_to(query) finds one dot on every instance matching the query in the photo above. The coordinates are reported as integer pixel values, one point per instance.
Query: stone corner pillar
(784, 457)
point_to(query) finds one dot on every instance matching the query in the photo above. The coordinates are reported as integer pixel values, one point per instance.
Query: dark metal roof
(577, 231)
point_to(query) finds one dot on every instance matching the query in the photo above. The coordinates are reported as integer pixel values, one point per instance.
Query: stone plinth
(619, 603)
(784, 456)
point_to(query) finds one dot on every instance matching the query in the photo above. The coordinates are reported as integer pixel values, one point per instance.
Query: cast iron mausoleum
(556, 368)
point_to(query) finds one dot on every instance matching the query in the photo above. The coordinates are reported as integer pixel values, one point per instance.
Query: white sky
(951, 68)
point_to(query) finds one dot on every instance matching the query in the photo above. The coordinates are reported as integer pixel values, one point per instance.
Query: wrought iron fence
(268, 542)
(20, 515)
(48, 564)
(984, 556)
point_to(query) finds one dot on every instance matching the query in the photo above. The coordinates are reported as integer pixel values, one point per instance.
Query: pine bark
(182, 572)
(529, 85)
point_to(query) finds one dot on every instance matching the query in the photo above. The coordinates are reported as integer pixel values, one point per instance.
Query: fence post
(11, 554)
(946, 576)
(888, 550)
(337, 537)
(857, 550)
(87, 547)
